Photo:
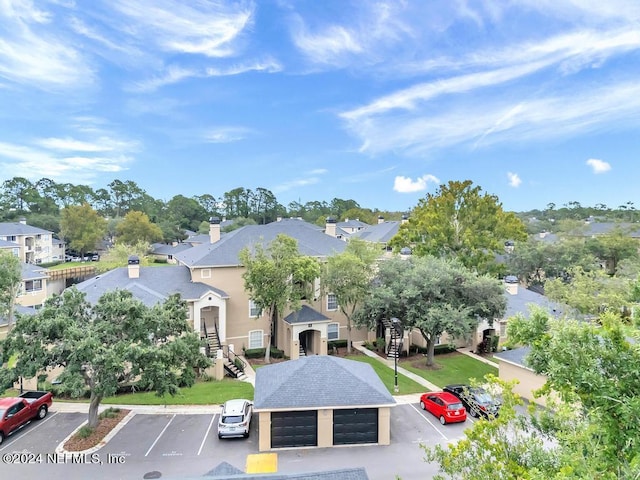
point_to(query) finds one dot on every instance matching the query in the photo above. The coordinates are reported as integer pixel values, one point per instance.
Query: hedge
(438, 349)
(259, 353)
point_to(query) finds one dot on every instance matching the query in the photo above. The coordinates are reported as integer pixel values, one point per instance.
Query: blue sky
(536, 101)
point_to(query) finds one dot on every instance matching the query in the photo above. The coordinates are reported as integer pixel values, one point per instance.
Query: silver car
(235, 418)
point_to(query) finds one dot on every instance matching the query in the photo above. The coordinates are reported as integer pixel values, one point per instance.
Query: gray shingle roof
(154, 285)
(225, 252)
(164, 249)
(352, 223)
(17, 228)
(337, 382)
(520, 302)
(6, 244)
(517, 355)
(379, 233)
(32, 272)
(306, 314)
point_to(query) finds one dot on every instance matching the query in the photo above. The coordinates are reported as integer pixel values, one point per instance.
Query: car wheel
(246, 434)
(219, 437)
(1, 438)
(422, 405)
(42, 412)
(443, 421)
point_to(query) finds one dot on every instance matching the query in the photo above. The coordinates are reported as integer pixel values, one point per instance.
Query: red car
(443, 405)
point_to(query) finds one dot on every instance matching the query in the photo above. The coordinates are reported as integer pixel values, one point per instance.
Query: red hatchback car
(443, 405)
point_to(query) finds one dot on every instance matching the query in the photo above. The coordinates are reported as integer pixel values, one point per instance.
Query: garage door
(356, 425)
(294, 429)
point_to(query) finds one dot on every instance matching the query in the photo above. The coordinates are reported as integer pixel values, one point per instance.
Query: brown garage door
(294, 429)
(355, 425)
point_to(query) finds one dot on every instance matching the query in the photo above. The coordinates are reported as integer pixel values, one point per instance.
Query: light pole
(395, 325)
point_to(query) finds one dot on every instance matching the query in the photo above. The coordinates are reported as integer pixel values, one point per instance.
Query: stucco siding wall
(528, 380)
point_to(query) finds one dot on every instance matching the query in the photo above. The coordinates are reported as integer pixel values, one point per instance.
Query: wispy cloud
(300, 182)
(598, 166)
(514, 179)
(407, 185)
(226, 134)
(318, 171)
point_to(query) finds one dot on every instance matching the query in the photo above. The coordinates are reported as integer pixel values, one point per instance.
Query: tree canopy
(459, 221)
(10, 284)
(433, 295)
(117, 342)
(82, 227)
(277, 278)
(348, 276)
(136, 227)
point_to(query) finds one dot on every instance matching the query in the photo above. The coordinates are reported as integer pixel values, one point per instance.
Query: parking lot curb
(60, 450)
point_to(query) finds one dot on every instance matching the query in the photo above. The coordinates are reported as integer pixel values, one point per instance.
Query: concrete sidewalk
(403, 371)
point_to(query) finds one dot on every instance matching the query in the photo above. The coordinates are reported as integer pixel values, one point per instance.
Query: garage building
(321, 401)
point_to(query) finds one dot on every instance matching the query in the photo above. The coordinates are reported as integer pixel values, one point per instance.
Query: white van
(235, 418)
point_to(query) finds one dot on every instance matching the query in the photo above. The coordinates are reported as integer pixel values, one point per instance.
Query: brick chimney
(330, 227)
(214, 229)
(380, 219)
(133, 266)
(511, 284)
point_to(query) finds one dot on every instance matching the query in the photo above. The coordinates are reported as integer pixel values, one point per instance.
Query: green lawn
(202, 393)
(455, 369)
(386, 374)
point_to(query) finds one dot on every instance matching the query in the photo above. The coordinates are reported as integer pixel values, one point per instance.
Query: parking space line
(429, 422)
(41, 422)
(158, 437)
(206, 434)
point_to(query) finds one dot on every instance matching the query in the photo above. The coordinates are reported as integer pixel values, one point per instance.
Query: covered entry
(355, 425)
(294, 429)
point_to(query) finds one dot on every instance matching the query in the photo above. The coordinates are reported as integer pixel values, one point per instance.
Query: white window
(206, 273)
(255, 339)
(503, 329)
(333, 331)
(332, 302)
(254, 311)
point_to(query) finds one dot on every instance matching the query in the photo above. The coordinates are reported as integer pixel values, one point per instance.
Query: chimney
(330, 227)
(22, 220)
(380, 219)
(511, 284)
(279, 218)
(509, 245)
(133, 266)
(405, 253)
(346, 220)
(214, 229)
(405, 219)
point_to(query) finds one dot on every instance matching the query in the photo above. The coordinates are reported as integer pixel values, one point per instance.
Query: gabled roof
(351, 223)
(6, 244)
(306, 314)
(225, 252)
(165, 249)
(516, 356)
(602, 228)
(32, 272)
(336, 382)
(379, 233)
(520, 302)
(154, 285)
(17, 228)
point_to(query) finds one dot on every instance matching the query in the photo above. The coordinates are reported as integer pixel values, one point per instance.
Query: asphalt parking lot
(175, 445)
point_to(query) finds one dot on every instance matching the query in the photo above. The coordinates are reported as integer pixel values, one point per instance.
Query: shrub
(85, 431)
(380, 344)
(110, 412)
(337, 344)
(495, 340)
(437, 350)
(259, 352)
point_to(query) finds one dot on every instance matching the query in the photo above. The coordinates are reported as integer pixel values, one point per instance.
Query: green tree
(136, 227)
(277, 278)
(185, 212)
(348, 276)
(10, 284)
(102, 347)
(590, 292)
(613, 247)
(459, 221)
(82, 227)
(593, 369)
(433, 295)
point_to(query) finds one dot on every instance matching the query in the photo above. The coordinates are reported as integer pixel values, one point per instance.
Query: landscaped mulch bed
(105, 425)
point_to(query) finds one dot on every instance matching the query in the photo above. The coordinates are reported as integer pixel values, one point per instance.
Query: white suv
(235, 418)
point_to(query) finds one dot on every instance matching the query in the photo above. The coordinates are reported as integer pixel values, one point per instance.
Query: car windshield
(454, 406)
(232, 419)
(483, 398)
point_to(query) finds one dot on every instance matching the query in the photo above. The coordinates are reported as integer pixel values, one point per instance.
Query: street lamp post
(394, 322)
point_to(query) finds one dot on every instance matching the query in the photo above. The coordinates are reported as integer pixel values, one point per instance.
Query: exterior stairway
(232, 370)
(231, 365)
(395, 340)
(302, 352)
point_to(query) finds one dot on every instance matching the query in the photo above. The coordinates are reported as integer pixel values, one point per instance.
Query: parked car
(444, 405)
(476, 400)
(16, 411)
(235, 418)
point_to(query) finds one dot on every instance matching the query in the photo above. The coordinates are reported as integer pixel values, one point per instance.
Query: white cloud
(598, 166)
(407, 185)
(301, 182)
(318, 171)
(226, 134)
(514, 179)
